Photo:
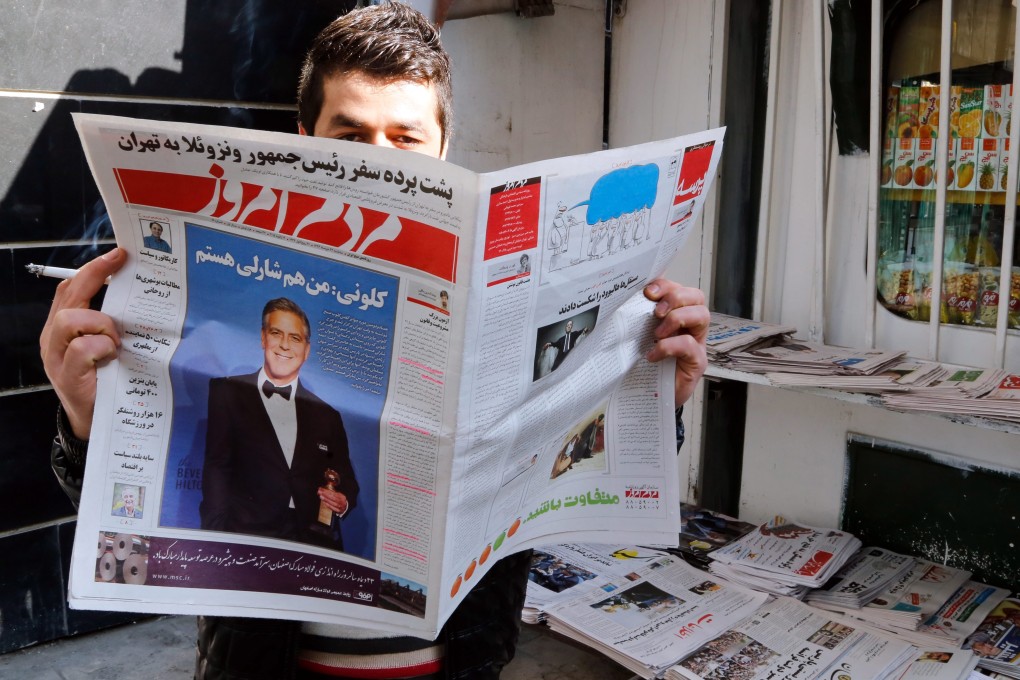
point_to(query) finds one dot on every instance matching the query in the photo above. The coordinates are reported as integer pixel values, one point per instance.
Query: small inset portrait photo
(128, 500)
(156, 235)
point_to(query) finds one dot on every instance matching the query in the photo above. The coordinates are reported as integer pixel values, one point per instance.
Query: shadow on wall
(243, 51)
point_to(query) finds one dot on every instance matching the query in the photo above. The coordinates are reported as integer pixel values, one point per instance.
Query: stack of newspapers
(730, 334)
(866, 575)
(931, 605)
(812, 358)
(786, 639)
(996, 642)
(902, 376)
(653, 616)
(988, 393)
(783, 557)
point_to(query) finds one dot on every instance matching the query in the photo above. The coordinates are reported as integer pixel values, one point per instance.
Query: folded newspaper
(799, 356)
(909, 600)
(732, 333)
(561, 572)
(470, 348)
(784, 557)
(787, 640)
(996, 641)
(870, 572)
(654, 616)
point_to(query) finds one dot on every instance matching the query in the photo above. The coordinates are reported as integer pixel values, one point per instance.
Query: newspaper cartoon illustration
(617, 217)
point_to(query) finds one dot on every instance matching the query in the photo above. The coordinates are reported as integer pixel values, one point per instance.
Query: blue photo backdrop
(352, 313)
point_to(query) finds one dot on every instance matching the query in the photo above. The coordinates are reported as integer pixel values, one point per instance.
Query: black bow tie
(269, 389)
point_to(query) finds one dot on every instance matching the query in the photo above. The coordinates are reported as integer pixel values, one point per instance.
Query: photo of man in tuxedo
(271, 445)
(565, 343)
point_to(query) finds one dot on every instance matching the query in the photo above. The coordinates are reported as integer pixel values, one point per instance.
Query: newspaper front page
(654, 616)
(784, 640)
(470, 373)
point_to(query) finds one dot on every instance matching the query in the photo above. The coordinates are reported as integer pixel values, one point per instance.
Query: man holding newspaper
(380, 76)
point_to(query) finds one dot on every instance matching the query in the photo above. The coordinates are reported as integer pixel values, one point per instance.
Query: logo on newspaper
(640, 492)
(815, 564)
(693, 627)
(318, 217)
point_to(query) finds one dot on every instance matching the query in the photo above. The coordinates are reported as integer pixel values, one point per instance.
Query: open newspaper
(472, 376)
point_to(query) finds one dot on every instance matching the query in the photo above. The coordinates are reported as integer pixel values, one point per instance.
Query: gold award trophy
(325, 520)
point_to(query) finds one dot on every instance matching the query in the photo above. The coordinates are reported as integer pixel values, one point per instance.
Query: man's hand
(681, 332)
(76, 339)
(334, 500)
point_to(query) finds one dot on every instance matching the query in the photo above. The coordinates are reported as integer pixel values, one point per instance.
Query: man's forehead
(408, 102)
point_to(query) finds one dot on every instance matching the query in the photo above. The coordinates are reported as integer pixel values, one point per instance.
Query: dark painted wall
(226, 62)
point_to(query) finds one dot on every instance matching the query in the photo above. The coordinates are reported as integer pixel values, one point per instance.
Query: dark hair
(283, 304)
(388, 42)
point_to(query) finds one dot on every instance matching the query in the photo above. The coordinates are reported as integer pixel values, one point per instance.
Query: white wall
(526, 89)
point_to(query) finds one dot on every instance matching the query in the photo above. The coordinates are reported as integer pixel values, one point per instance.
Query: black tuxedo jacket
(246, 483)
(563, 347)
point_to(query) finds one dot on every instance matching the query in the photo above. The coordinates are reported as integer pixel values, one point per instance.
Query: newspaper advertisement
(656, 615)
(351, 378)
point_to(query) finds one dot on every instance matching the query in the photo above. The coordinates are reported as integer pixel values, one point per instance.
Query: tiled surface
(31, 588)
(33, 583)
(163, 649)
(29, 493)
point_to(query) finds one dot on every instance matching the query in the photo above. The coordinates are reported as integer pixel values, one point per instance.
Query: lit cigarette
(53, 272)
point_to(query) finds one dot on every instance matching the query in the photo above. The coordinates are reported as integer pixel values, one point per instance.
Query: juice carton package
(928, 111)
(966, 164)
(892, 102)
(1002, 180)
(992, 118)
(988, 164)
(924, 162)
(888, 151)
(906, 112)
(903, 163)
(968, 123)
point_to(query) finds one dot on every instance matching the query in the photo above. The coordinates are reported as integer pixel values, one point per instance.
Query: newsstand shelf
(715, 372)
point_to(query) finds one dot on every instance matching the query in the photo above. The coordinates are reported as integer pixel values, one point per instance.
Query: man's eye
(350, 137)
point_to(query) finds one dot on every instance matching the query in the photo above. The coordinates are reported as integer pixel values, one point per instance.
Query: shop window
(980, 120)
